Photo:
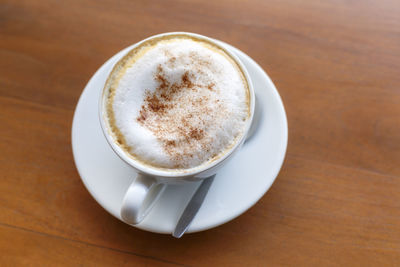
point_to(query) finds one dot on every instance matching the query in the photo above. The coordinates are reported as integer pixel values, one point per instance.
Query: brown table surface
(336, 65)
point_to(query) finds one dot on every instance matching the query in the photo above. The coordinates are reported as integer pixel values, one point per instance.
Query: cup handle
(140, 198)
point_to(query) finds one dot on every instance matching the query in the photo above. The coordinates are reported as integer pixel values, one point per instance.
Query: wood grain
(336, 65)
(52, 250)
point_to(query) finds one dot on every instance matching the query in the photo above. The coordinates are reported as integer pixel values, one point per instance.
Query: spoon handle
(192, 207)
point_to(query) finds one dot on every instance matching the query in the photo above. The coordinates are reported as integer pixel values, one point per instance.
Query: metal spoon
(193, 207)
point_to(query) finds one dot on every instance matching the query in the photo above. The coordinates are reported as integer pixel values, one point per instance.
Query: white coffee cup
(150, 182)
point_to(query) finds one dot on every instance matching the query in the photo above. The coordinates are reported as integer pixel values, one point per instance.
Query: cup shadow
(258, 110)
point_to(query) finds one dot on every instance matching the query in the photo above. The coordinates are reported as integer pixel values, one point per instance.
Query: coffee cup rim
(181, 173)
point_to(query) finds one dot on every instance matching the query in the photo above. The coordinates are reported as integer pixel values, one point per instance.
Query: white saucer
(237, 187)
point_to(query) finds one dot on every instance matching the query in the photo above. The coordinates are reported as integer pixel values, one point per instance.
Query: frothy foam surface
(178, 103)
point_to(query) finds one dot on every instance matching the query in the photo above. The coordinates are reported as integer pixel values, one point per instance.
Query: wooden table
(336, 65)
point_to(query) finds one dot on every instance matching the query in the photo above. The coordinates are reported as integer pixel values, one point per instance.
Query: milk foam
(180, 104)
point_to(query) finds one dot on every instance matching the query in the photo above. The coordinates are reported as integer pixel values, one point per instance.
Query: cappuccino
(176, 102)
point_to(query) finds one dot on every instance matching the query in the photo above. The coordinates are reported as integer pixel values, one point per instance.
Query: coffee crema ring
(177, 102)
